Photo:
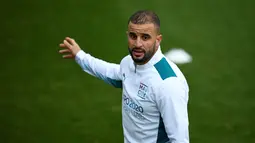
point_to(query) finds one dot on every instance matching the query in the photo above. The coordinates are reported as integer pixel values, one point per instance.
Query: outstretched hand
(70, 48)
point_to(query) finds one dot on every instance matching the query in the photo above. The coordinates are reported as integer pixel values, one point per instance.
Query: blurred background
(46, 99)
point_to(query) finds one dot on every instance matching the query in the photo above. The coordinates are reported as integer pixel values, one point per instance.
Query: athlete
(154, 90)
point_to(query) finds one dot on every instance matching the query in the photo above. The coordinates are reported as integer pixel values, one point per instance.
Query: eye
(146, 37)
(132, 35)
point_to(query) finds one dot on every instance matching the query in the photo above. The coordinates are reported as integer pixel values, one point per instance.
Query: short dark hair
(145, 17)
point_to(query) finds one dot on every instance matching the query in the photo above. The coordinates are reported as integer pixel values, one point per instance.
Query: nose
(138, 42)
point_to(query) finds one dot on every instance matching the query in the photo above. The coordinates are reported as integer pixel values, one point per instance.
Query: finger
(70, 40)
(68, 45)
(68, 56)
(64, 51)
(62, 45)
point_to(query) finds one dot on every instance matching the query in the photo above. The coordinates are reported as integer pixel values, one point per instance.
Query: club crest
(142, 91)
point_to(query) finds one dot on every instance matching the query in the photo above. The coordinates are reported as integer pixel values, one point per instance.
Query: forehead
(142, 28)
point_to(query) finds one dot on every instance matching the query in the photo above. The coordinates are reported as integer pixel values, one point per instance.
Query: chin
(139, 60)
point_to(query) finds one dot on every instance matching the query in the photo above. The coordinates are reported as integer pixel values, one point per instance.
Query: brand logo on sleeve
(142, 91)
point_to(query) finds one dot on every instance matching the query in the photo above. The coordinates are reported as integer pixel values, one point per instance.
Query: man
(155, 92)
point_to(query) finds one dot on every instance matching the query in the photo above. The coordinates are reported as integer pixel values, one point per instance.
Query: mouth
(138, 53)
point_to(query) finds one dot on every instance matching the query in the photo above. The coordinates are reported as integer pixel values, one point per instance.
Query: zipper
(135, 67)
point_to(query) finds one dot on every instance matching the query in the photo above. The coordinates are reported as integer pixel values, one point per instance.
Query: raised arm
(172, 103)
(109, 72)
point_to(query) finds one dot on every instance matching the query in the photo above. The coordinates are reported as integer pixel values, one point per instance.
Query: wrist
(76, 52)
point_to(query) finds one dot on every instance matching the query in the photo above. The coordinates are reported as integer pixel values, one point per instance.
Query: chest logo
(142, 91)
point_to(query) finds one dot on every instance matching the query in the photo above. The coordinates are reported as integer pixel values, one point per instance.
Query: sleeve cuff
(80, 55)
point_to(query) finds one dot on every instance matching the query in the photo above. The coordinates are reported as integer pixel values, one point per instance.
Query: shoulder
(170, 78)
(165, 69)
(169, 73)
(124, 63)
(126, 59)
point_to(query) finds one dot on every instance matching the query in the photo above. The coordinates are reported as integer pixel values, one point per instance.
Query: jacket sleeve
(109, 72)
(172, 100)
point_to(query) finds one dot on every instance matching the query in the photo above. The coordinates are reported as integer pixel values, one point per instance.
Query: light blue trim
(115, 83)
(164, 69)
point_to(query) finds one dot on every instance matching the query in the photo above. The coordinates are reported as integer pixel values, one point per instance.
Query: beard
(146, 57)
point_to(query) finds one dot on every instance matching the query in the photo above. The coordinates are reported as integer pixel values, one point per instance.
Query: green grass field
(46, 99)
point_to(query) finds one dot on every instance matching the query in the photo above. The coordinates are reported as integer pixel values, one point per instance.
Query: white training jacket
(154, 97)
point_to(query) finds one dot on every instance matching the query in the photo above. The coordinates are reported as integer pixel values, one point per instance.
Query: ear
(127, 33)
(158, 40)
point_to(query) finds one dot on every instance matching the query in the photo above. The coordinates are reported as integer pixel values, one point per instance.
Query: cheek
(130, 42)
(149, 44)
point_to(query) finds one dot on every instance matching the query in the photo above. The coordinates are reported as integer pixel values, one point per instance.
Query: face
(143, 41)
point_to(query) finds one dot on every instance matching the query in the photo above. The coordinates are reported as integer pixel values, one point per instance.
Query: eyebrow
(132, 33)
(147, 34)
